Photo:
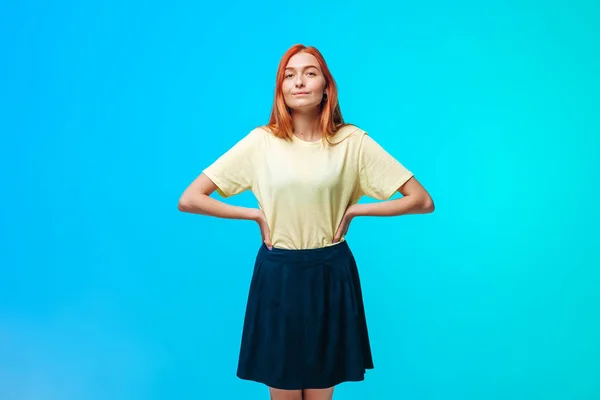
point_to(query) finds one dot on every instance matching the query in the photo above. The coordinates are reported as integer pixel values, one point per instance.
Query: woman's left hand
(346, 219)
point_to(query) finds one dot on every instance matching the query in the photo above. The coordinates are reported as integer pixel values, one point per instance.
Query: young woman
(305, 329)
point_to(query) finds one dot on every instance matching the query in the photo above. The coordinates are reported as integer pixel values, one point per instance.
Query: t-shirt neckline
(316, 143)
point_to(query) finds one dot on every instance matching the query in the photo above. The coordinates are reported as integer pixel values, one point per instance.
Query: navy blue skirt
(305, 325)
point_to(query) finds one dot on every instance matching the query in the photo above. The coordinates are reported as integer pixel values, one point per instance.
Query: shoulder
(258, 133)
(357, 134)
(359, 141)
(256, 137)
(263, 134)
(349, 133)
(350, 130)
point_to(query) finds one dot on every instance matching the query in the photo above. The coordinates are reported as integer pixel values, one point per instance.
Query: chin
(303, 106)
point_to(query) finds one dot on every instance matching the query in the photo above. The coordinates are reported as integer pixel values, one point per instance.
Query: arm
(379, 172)
(196, 200)
(416, 200)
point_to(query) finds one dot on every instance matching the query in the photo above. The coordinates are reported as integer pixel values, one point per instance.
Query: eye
(289, 75)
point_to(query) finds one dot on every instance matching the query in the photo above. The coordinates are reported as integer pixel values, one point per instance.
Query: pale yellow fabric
(305, 187)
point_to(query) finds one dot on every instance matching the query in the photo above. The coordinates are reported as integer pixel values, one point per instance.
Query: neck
(306, 125)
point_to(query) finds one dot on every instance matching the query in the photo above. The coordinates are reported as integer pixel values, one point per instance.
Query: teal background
(108, 110)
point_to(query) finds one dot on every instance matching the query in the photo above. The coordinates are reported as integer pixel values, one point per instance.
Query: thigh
(280, 394)
(318, 394)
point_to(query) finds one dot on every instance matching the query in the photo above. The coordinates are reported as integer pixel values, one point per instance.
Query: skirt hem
(275, 385)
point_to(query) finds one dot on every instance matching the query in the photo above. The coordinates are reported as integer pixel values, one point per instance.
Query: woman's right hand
(265, 232)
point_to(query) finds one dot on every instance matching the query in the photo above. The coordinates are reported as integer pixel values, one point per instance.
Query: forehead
(301, 60)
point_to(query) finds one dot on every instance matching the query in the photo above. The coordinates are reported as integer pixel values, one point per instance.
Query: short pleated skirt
(305, 325)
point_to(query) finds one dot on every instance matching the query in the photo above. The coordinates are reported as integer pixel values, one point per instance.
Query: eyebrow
(305, 67)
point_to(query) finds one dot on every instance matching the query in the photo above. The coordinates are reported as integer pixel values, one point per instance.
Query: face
(303, 83)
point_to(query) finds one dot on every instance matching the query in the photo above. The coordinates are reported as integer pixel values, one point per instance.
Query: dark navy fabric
(305, 325)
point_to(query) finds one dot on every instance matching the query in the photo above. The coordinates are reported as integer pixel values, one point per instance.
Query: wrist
(354, 211)
(252, 214)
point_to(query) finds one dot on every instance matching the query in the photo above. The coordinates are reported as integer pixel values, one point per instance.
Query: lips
(300, 93)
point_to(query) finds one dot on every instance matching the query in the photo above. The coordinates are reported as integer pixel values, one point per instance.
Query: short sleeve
(234, 171)
(380, 174)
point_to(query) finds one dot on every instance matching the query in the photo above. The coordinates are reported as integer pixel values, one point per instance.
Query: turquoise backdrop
(109, 109)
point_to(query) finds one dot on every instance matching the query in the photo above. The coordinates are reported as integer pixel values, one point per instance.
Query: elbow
(184, 203)
(181, 206)
(428, 205)
(191, 203)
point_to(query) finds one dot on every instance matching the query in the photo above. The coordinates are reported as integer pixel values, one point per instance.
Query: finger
(336, 237)
(268, 242)
(339, 234)
(266, 236)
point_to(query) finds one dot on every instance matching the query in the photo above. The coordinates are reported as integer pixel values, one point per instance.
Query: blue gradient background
(109, 110)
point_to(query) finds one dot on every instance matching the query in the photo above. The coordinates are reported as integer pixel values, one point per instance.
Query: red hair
(280, 123)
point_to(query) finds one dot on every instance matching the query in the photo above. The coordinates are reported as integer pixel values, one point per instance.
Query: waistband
(320, 254)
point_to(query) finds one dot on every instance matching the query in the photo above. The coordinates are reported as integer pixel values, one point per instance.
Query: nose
(299, 80)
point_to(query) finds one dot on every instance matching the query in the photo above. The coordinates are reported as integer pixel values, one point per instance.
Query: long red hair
(280, 123)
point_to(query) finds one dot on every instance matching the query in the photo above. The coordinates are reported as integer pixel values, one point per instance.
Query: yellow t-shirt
(305, 187)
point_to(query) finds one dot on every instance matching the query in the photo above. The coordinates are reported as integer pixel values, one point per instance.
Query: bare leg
(318, 394)
(280, 394)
